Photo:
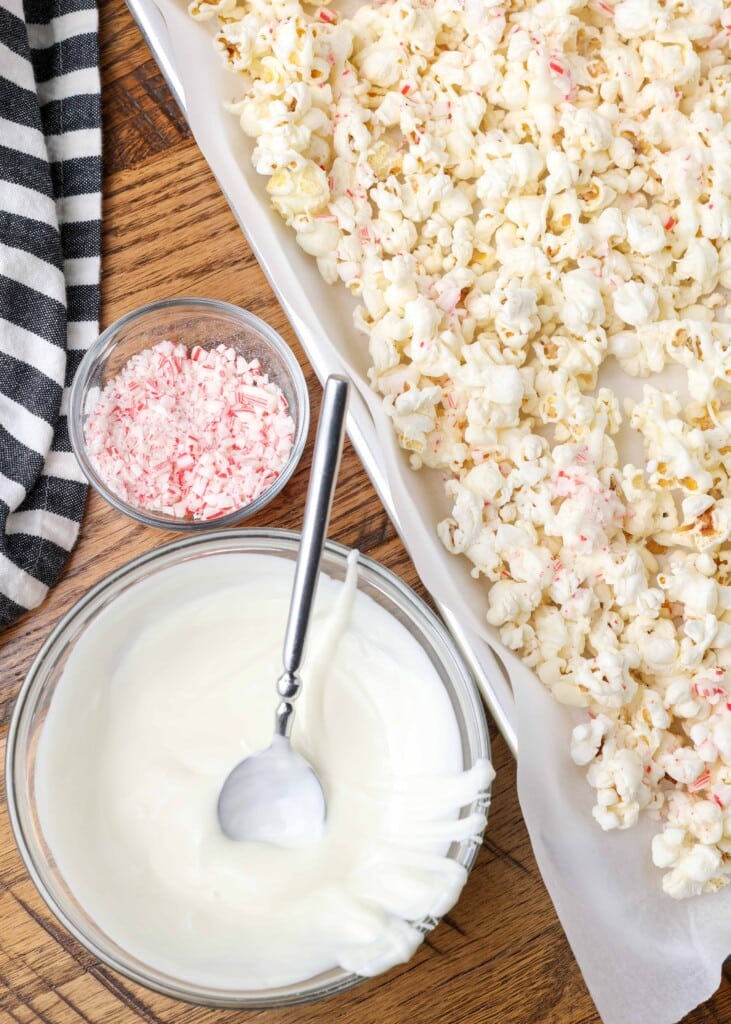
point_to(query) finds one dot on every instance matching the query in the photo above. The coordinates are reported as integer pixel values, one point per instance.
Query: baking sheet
(646, 958)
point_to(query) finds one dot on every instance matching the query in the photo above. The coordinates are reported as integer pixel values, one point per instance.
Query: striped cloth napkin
(50, 212)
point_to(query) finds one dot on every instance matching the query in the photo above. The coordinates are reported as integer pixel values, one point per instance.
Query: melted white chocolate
(166, 692)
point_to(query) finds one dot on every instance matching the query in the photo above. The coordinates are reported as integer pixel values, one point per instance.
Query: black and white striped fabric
(50, 212)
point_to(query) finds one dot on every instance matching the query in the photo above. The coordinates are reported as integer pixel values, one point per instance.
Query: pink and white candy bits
(189, 432)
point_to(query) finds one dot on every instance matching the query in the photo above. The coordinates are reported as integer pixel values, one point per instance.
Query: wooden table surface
(500, 957)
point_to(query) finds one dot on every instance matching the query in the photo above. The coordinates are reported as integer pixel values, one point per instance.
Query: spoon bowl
(293, 810)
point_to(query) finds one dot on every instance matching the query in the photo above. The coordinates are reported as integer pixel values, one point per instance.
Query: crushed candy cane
(189, 432)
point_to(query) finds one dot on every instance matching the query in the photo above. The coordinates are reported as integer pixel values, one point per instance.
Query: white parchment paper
(646, 958)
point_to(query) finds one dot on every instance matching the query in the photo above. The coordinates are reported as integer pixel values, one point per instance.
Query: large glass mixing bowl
(38, 689)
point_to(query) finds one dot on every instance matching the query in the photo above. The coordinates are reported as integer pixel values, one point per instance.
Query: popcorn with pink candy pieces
(528, 198)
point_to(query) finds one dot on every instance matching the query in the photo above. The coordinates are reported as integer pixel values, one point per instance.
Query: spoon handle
(324, 473)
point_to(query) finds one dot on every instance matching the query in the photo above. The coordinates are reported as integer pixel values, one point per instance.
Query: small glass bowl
(37, 691)
(204, 322)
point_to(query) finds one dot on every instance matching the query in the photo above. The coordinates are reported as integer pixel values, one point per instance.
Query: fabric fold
(50, 247)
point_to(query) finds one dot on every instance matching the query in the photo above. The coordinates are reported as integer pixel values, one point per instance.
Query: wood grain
(500, 957)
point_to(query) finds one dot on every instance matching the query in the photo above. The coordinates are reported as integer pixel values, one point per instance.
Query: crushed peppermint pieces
(189, 432)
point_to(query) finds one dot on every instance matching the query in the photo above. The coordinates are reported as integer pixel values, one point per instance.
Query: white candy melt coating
(170, 688)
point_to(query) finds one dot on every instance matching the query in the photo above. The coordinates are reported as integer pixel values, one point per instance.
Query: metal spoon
(275, 796)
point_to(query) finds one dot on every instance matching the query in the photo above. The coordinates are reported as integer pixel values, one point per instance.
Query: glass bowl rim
(105, 341)
(427, 623)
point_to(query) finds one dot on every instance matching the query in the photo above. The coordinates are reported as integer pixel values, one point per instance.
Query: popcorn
(586, 739)
(696, 867)
(302, 190)
(513, 193)
(635, 303)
